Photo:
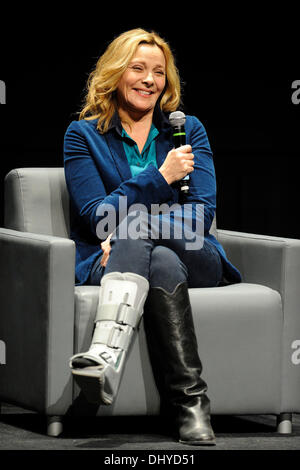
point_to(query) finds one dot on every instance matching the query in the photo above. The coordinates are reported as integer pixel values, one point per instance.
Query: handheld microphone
(177, 121)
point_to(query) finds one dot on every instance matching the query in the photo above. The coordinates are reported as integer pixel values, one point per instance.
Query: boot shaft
(172, 344)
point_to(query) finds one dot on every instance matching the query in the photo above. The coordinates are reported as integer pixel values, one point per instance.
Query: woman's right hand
(105, 246)
(178, 163)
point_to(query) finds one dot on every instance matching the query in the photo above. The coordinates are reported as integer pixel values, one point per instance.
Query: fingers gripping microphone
(177, 121)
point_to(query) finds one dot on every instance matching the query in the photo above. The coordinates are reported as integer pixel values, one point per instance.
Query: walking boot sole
(91, 382)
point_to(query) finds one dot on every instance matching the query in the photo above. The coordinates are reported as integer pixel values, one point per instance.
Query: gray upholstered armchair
(248, 334)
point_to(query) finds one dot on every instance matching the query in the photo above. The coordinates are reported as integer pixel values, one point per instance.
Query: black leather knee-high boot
(177, 368)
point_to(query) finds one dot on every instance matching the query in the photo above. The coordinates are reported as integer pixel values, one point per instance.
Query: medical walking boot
(177, 368)
(99, 370)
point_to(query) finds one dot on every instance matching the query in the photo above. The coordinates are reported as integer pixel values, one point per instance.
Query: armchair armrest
(37, 275)
(274, 262)
(262, 259)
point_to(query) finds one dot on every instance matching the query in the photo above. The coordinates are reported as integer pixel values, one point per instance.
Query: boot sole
(198, 443)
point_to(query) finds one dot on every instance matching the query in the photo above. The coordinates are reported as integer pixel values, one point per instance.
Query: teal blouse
(139, 161)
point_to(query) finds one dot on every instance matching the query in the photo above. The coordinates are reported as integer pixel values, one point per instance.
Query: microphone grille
(177, 118)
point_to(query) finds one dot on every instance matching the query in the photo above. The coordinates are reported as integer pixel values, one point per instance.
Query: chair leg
(284, 423)
(54, 426)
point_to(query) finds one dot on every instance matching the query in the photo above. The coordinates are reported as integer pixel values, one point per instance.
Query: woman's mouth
(143, 92)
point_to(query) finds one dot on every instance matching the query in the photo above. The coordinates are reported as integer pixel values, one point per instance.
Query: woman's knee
(166, 269)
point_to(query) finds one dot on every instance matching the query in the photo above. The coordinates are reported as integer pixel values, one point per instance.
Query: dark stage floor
(24, 430)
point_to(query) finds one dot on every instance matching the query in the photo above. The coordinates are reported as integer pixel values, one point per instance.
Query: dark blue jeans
(163, 262)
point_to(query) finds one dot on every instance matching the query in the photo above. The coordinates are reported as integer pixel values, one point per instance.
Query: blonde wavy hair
(100, 100)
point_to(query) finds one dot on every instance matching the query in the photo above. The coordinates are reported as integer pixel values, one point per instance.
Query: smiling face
(143, 81)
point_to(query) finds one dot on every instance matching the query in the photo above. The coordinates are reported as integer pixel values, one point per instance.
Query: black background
(252, 124)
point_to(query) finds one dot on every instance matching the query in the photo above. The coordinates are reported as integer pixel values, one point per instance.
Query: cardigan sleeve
(202, 179)
(87, 187)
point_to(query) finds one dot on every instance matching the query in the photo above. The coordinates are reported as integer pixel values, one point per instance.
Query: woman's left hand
(105, 246)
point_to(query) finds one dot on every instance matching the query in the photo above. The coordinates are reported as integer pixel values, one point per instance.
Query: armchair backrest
(36, 200)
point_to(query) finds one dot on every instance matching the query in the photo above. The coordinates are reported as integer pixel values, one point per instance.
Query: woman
(121, 152)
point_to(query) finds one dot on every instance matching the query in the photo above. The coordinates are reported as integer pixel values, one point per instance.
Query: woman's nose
(148, 79)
